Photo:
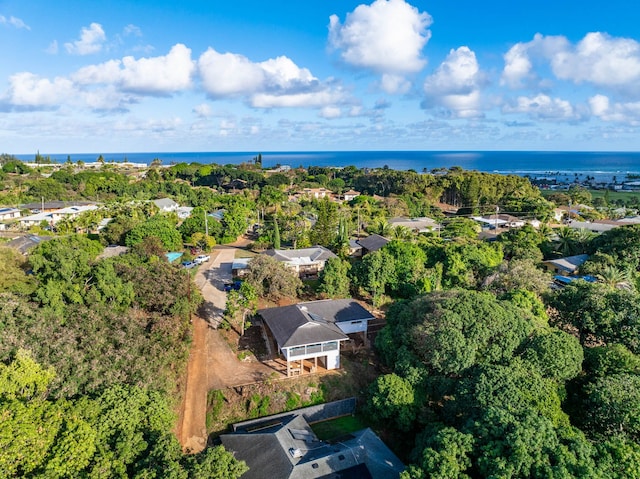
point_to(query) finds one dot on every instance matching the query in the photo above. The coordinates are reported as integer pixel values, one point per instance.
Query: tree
(461, 228)
(324, 230)
(158, 226)
(452, 331)
(392, 398)
(12, 275)
(555, 354)
(269, 277)
(519, 274)
(613, 403)
(599, 313)
(443, 453)
(334, 279)
(276, 233)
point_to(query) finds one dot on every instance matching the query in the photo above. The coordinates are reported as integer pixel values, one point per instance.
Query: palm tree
(582, 238)
(614, 277)
(565, 241)
(401, 232)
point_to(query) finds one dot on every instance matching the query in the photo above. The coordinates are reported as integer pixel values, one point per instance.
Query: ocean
(559, 165)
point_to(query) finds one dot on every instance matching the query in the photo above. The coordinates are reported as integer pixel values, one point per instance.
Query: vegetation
(487, 371)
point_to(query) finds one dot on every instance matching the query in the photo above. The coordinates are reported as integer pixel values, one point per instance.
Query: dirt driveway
(212, 363)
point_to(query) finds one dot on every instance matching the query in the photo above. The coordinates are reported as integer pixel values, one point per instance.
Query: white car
(203, 258)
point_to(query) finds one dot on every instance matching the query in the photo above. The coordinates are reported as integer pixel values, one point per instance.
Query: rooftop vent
(295, 452)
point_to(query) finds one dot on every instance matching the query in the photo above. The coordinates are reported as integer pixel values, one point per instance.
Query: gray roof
(302, 256)
(25, 243)
(292, 326)
(284, 446)
(421, 224)
(313, 321)
(165, 203)
(372, 242)
(569, 263)
(56, 205)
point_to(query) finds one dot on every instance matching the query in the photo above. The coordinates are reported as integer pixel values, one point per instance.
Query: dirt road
(212, 363)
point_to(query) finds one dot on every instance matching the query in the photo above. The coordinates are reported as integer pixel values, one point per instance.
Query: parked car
(189, 264)
(203, 258)
(235, 286)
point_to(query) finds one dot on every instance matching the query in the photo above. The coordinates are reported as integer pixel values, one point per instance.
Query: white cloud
(602, 108)
(154, 76)
(543, 107)
(27, 89)
(203, 110)
(274, 83)
(132, 30)
(297, 100)
(14, 22)
(392, 84)
(228, 74)
(387, 36)
(455, 85)
(598, 59)
(91, 41)
(330, 112)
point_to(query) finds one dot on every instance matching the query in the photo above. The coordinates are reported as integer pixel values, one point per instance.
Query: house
(565, 266)
(350, 195)
(312, 331)
(284, 446)
(372, 243)
(355, 249)
(24, 243)
(307, 262)
(166, 205)
(417, 225)
(597, 226)
(316, 193)
(240, 267)
(9, 213)
(54, 205)
(53, 216)
(236, 184)
(184, 212)
(499, 221)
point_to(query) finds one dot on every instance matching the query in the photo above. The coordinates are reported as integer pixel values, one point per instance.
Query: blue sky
(125, 76)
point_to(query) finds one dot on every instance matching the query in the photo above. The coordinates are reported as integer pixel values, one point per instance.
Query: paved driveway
(210, 279)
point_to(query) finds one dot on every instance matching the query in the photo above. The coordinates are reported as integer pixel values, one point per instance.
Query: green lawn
(625, 196)
(327, 430)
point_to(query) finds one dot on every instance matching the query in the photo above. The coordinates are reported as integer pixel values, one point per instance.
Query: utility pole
(497, 211)
(206, 224)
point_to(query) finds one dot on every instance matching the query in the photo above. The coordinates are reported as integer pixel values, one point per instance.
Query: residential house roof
(372, 242)
(166, 204)
(569, 263)
(285, 447)
(301, 256)
(598, 226)
(55, 205)
(294, 326)
(313, 321)
(421, 224)
(24, 243)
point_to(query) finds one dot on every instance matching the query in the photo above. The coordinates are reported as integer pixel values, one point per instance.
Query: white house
(307, 262)
(311, 332)
(166, 205)
(9, 213)
(52, 217)
(419, 225)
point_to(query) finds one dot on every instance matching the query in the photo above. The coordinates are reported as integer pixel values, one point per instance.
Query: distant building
(24, 243)
(166, 205)
(417, 225)
(53, 216)
(350, 195)
(307, 262)
(500, 221)
(9, 214)
(597, 226)
(565, 266)
(316, 193)
(372, 243)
